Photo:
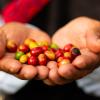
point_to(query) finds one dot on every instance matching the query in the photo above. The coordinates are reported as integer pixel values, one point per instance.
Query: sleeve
(22, 10)
(90, 84)
(10, 84)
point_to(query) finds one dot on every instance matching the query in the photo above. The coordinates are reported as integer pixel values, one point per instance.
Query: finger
(27, 72)
(56, 78)
(10, 55)
(39, 35)
(86, 61)
(70, 73)
(10, 65)
(49, 82)
(2, 44)
(52, 65)
(94, 39)
(43, 72)
(15, 31)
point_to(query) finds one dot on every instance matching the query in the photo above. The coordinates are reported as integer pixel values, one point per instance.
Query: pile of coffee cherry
(40, 53)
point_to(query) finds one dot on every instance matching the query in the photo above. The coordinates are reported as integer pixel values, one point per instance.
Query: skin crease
(2, 44)
(83, 32)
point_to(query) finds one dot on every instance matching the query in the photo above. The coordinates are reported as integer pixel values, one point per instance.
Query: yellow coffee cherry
(63, 62)
(67, 54)
(50, 55)
(23, 59)
(27, 41)
(11, 46)
(42, 43)
(28, 54)
(33, 45)
(60, 59)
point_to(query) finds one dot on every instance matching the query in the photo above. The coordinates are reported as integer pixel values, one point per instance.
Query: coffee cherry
(36, 51)
(75, 52)
(11, 46)
(67, 54)
(54, 46)
(63, 62)
(28, 54)
(68, 47)
(32, 60)
(60, 59)
(23, 59)
(50, 55)
(52, 49)
(59, 53)
(42, 43)
(42, 59)
(27, 41)
(23, 48)
(45, 48)
(33, 45)
(39, 53)
(18, 55)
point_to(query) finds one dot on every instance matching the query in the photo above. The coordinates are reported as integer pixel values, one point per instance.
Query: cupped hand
(84, 33)
(18, 33)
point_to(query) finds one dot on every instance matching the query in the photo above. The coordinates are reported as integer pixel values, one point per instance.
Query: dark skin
(83, 32)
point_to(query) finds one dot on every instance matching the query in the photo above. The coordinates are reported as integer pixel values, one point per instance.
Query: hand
(84, 33)
(19, 32)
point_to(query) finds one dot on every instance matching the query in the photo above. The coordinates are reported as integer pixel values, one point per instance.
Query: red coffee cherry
(32, 60)
(36, 51)
(59, 53)
(23, 48)
(42, 59)
(68, 47)
(11, 46)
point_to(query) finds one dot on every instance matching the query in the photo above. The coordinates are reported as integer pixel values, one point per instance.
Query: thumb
(93, 41)
(2, 44)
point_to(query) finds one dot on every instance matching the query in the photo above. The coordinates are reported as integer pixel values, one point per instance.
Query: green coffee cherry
(23, 59)
(18, 55)
(54, 46)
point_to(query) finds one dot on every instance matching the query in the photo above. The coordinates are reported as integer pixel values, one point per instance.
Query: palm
(78, 32)
(83, 33)
(18, 32)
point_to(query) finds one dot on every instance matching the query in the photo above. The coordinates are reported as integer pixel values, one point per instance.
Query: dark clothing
(60, 12)
(55, 15)
(36, 90)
